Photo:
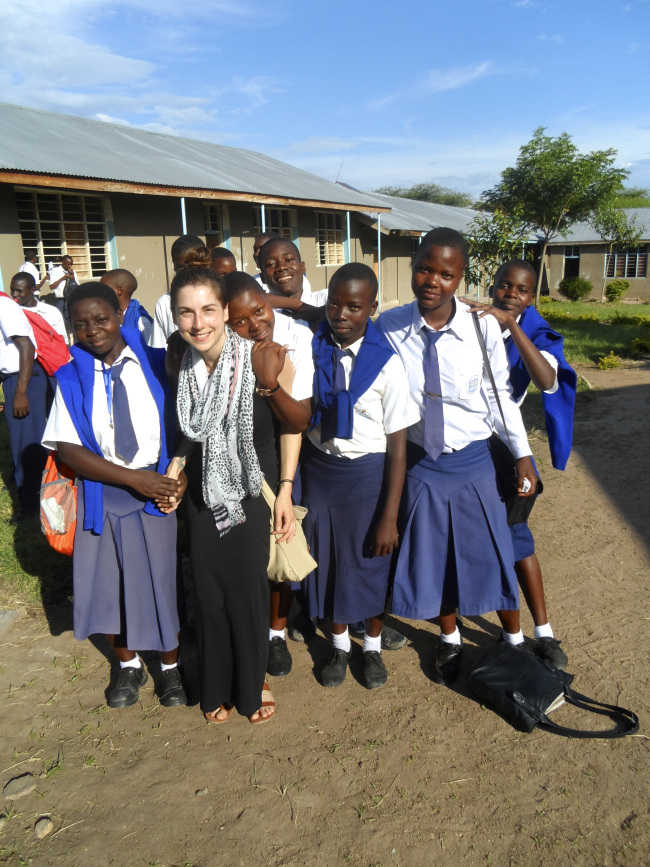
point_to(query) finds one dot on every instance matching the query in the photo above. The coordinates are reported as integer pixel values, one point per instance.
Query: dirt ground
(412, 774)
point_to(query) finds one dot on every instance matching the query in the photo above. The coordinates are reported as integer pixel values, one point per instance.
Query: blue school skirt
(456, 549)
(344, 499)
(523, 543)
(125, 579)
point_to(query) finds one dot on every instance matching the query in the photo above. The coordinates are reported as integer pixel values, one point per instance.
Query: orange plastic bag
(59, 505)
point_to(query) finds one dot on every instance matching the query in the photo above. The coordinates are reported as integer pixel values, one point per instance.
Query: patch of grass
(29, 568)
(590, 308)
(586, 342)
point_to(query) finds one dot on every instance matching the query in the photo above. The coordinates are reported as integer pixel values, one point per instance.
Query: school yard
(412, 774)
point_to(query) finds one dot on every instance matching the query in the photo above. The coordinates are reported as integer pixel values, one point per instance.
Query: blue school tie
(126, 444)
(330, 418)
(434, 422)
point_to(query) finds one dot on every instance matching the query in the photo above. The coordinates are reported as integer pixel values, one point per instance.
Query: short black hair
(516, 263)
(238, 283)
(30, 252)
(93, 289)
(122, 278)
(265, 249)
(25, 277)
(356, 271)
(221, 253)
(196, 276)
(442, 236)
(185, 242)
(270, 236)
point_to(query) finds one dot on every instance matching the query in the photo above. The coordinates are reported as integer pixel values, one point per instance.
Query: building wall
(592, 268)
(11, 246)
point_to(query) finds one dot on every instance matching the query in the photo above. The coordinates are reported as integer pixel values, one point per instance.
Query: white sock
(513, 637)
(169, 667)
(136, 662)
(544, 631)
(342, 641)
(371, 643)
(454, 638)
(276, 633)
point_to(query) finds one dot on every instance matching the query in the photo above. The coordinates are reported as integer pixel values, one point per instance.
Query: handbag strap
(621, 715)
(488, 367)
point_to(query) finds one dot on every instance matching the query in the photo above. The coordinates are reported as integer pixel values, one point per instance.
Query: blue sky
(384, 92)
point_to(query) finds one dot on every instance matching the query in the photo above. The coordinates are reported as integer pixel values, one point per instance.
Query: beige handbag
(288, 561)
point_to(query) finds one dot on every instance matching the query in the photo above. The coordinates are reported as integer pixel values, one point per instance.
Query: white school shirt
(469, 408)
(30, 268)
(51, 315)
(142, 408)
(163, 324)
(552, 360)
(386, 407)
(13, 323)
(313, 299)
(298, 337)
(55, 274)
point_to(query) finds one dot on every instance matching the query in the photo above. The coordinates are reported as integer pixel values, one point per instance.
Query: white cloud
(437, 81)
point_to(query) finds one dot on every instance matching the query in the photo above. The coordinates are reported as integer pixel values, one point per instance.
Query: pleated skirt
(344, 499)
(125, 579)
(456, 549)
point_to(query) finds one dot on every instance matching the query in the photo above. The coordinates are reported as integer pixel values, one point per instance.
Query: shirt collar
(454, 326)
(353, 348)
(127, 352)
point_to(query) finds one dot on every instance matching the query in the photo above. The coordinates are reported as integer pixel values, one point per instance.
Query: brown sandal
(267, 701)
(211, 716)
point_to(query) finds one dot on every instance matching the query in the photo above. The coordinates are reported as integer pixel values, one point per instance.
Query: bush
(640, 346)
(561, 316)
(545, 299)
(575, 288)
(608, 362)
(616, 289)
(634, 319)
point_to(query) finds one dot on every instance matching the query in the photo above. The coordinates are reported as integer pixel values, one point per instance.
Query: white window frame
(93, 263)
(329, 238)
(280, 221)
(627, 264)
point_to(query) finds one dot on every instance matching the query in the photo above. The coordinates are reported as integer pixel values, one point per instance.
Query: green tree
(633, 197)
(554, 187)
(493, 238)
(430, 193)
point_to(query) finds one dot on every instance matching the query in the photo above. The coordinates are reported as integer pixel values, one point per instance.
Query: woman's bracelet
(282, 481)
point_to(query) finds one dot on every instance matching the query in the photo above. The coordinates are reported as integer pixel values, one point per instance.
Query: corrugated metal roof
(35, 141)
(411, 215)
(584, 233)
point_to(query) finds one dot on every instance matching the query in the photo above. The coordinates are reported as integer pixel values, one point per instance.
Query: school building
(113, 196)
(583, 253)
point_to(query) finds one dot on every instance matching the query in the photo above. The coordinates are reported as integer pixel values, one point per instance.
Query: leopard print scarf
(221, 417)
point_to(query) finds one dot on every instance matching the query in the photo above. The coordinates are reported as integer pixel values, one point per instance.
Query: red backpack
(51, 349)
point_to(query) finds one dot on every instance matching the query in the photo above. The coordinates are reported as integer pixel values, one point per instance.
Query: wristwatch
(267, 392)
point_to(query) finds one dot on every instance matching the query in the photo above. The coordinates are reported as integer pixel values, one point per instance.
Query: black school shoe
(127, 689)
(446, 663)
(279, 662)
(549, 648)
(301, 628)
(391, 639)
(374, 670)
(171, 692)
(334, 672)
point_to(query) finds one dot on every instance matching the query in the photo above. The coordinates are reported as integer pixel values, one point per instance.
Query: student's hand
(503, 317)
(284, 520)
(21, 405)
(386, 538)
(154, 485)
(172, 502)
(526, 470)
(268, 360)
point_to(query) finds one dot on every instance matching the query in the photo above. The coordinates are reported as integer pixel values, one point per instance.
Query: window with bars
(61, 224)
(329, 239)
(627, 263)
(277, 220)
(571, 261)
(213, 224)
